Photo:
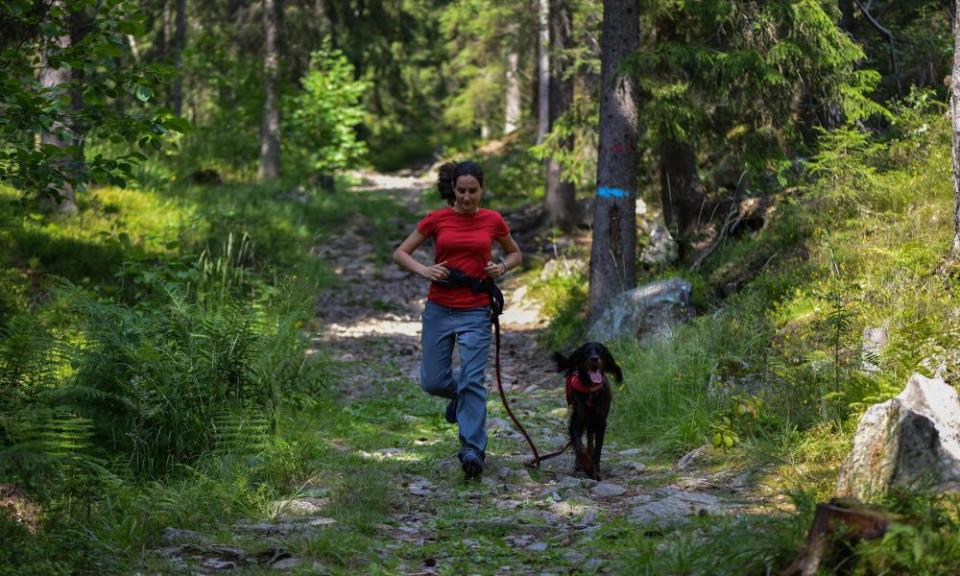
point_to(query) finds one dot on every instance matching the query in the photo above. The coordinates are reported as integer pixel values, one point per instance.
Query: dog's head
(592, 359)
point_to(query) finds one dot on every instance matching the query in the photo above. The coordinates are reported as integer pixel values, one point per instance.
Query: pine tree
(613, 268)
(560, 195)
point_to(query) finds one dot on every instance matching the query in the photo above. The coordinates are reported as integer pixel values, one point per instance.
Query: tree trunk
(560, 198)
(179, 41)
(270, 127)
(61, 196)
(613, 267)
(543, 72)
(955, 113)
(512, 116)
(681, 192)
(847, 22)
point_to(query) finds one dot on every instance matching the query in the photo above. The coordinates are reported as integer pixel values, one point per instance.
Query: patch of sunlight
(373, 326)
(393, 454)
(572, 508)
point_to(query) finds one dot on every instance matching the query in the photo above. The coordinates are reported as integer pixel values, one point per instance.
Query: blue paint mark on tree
(605, 192)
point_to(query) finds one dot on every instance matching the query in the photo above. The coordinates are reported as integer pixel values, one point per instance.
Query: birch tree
(270, 127)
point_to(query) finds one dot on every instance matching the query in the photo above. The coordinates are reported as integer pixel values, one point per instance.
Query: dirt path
(540, 521)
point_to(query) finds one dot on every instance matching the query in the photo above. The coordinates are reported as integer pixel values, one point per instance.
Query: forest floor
(391, 498)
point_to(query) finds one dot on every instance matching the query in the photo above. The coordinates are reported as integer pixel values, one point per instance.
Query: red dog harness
(573, 383)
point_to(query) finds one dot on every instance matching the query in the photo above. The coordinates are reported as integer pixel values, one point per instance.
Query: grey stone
(394, 273)
(661, 248)
(674, 508)
(690, 457)
(286, 563)
(178, 536)
(562, 268)
(607, 490)
(297, 507)
(911, 440)
(537, 547)
(649, 313)
(568, 482)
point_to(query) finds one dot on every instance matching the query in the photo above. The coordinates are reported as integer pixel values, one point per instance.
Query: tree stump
(837, 525)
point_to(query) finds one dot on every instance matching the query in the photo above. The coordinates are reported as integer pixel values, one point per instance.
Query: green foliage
(320, 121)
(479, 35)
(86, 108)
(563, 298)
(922, 539)
(745, 80)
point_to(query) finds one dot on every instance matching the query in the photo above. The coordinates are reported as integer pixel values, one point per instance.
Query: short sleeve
(501, 230)
(428, 225)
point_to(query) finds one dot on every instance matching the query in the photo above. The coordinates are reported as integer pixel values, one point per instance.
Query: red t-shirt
(462, 241)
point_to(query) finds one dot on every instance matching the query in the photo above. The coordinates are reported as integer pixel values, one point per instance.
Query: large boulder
(912, 440)
(648, 313)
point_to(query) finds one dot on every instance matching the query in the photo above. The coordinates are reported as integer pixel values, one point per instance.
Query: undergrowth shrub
(921, 541)
(173, 378)
(855, 245)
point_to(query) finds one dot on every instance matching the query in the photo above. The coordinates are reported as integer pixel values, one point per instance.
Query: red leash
(537, 458)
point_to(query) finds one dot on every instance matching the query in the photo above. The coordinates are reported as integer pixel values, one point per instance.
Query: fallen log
(837, 526)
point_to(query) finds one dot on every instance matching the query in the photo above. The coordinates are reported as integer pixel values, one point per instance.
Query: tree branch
(888, 36)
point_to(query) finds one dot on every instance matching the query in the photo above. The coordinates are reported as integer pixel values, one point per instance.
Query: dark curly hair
(448, 173)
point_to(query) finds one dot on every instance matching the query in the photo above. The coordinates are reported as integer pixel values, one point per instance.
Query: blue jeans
(470, 328)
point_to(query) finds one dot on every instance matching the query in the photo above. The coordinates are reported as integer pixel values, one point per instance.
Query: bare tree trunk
(681, 192)
(560, 198)
(543, 72)
(613, 267)
(512, 116)
(179, 41)
(63, 196)
(270, 127)
(955, 113)
(847, 22)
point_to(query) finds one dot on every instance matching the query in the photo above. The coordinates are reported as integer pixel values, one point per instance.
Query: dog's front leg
(582, 461)
(597, 447)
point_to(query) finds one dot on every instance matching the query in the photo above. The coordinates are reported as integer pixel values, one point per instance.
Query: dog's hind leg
(585, 464)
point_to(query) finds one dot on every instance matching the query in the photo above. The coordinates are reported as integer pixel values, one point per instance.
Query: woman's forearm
(406, 261)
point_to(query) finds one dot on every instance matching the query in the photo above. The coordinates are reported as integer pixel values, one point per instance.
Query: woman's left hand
(495, 269)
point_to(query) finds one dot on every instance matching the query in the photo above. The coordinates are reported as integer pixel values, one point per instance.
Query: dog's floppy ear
(610, 364)
(563, 363)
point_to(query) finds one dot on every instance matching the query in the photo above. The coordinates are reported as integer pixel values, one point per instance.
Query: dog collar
(574, 383)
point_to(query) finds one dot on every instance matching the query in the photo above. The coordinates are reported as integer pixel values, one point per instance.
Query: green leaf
(143, 93)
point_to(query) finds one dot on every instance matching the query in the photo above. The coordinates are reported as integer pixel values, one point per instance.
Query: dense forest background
(167, 169)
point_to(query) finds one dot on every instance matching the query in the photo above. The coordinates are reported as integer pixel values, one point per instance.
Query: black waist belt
(457, 279)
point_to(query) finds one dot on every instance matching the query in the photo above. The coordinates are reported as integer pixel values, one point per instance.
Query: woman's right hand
(436, 272)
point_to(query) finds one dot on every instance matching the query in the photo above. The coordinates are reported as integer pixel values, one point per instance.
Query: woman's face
(467, 193)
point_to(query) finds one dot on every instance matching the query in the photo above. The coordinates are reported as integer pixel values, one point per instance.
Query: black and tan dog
(589, 396)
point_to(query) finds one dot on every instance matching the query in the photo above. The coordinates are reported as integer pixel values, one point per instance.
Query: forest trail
(388, 494)
(515, 520)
